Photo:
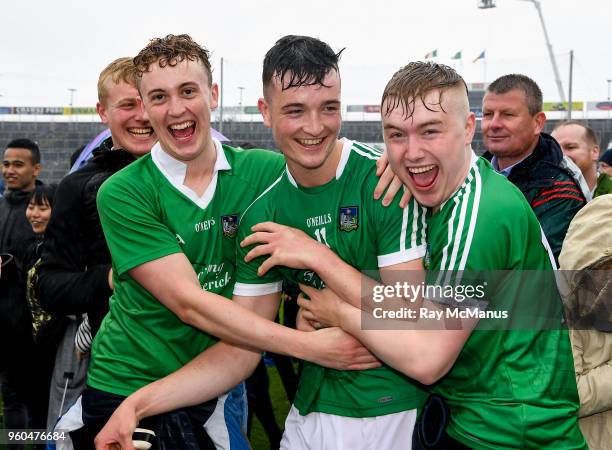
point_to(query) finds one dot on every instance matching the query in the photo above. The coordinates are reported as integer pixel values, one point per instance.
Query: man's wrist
(319, 258)
(344, 314)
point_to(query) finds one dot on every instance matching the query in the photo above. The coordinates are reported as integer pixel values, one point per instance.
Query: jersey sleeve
(248, 283)
(401, 233)
(132, 225)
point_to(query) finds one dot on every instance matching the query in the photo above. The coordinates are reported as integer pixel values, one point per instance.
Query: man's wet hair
(514, 81)
(170, 51)
(26, 144)
(120, 70)
(299, 61)
(588, 131)
(414, 82)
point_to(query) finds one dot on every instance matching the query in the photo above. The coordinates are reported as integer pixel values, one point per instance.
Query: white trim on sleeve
(256, 290)
(402, 256)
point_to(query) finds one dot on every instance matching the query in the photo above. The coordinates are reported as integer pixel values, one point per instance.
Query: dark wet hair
(414, 81)
(305, 60)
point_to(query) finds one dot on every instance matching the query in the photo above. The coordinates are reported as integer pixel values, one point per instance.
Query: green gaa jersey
(343, 215)
(509, 388)
(147, 213)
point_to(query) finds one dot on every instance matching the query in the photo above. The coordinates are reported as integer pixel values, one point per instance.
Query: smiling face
(178, 100)
(509, 130)
(121, 112)
(575, 145)
(38, 215)
(18, 169)
(305, 122)
(430, 151)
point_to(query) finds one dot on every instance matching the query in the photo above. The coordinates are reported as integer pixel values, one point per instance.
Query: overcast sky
(49, 46)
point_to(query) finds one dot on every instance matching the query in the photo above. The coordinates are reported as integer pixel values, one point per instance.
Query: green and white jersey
(147, 213)
(343, 215)
(509, 388)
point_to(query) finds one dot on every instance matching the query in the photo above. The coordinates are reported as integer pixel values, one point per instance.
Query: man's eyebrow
(156, 90)
(430, 123)
(293, 105)
(390, 126)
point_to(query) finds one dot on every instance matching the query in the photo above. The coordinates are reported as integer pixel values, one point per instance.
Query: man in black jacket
(75, 271)
(20, 167)
(512, 125)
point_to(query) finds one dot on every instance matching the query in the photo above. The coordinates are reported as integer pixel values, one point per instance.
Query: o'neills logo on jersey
(230, 225)
(349, 218)
(317, 221)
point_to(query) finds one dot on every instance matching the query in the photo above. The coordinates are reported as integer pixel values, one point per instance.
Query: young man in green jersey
(506, 388)
(326, 194)
(170, 221)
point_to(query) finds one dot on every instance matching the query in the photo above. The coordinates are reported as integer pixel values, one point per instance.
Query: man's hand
(286, 246)
(303, 324)
(117, 433)
(336, 349)
(323, 307)
(388, 178)
(110, 279)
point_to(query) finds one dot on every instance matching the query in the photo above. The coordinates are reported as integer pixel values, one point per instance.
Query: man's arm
(291, 247)
(66, 283)
(424, 352)
(209, 375)
(173, 282)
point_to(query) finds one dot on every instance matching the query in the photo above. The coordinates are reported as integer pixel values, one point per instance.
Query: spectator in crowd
(20, 168)
(586, 258)
(579, 143)
(512, 124)
(74, 277)
(605, 162)
(46, 329)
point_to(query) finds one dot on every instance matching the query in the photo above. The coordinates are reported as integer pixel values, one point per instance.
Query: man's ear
(214, 96)
(101, 109)
(264, 109)
(540, 121)
(470, 128)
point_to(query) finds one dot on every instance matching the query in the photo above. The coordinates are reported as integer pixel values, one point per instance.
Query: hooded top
(588, 293)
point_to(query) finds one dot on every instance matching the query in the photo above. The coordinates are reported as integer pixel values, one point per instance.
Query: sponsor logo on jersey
(230, 225)
(349, 218)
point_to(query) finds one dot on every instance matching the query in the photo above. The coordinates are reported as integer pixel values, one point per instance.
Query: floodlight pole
(221, 99)
(486, 4)
(553, 60)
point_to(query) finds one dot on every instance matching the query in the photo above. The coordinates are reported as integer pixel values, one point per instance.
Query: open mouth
(144, 132)
(310, 142)
(183, 130)
(424, 177)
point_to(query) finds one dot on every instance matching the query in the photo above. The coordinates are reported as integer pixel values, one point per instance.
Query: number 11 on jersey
(321, 235)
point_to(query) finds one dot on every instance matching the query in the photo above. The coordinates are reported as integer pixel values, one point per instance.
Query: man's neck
(320, 175)
(200, 170)
(591, 177)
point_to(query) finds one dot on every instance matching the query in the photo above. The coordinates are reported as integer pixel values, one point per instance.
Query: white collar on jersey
(467, 180)
(347, 144)
(174, 171)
